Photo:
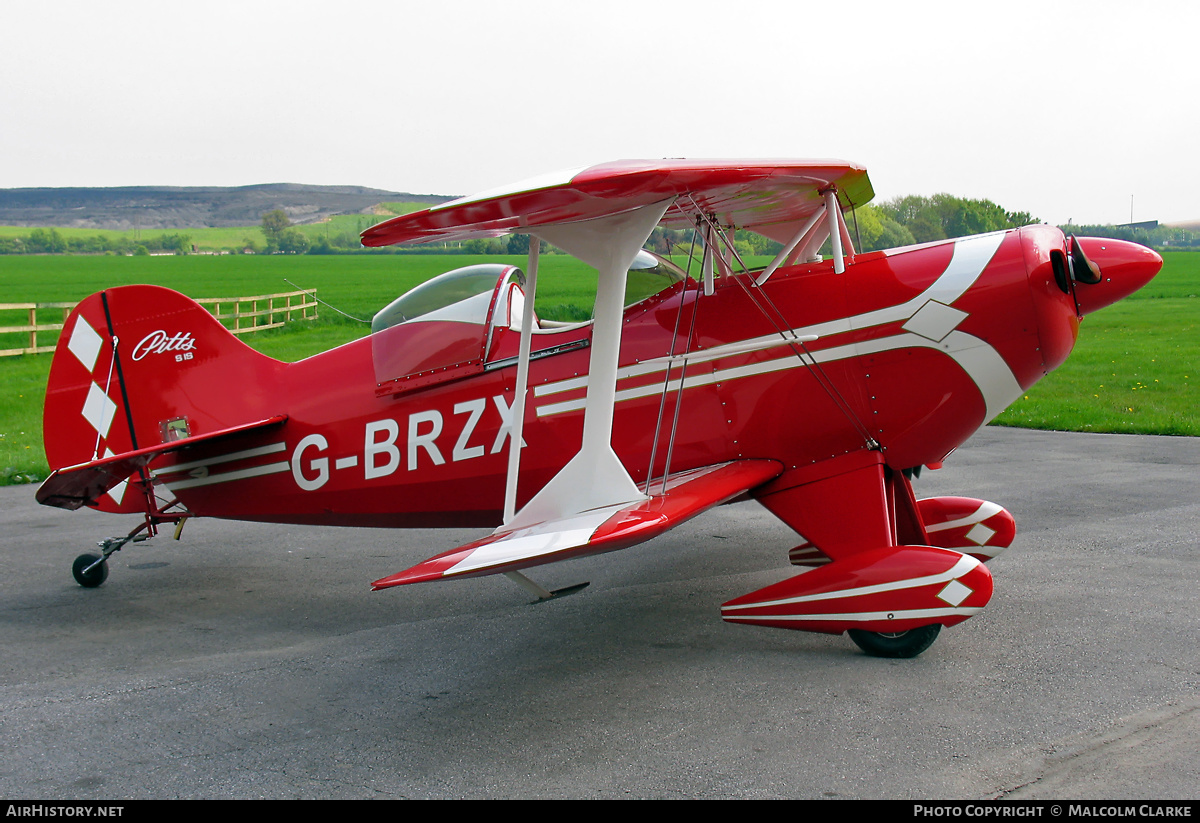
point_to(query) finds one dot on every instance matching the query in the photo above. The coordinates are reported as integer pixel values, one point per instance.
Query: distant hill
(170, 207)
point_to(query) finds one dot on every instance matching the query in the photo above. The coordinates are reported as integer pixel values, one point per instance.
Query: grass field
(358, 285)
(1134, 369)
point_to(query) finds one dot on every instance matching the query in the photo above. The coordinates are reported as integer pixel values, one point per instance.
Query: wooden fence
(240, 315)
(266, 311)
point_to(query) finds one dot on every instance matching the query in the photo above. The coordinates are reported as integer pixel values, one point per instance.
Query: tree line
(52, 241)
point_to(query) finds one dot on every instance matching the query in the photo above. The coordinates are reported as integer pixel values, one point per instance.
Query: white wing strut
(595, 476)
(835, 231)
(791, 246)
(518, 410)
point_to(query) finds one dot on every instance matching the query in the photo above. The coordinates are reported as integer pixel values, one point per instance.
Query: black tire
(900, 644)
(93, 578)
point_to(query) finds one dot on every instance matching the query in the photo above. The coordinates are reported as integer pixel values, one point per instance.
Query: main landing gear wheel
(896, 644)
(90, 570)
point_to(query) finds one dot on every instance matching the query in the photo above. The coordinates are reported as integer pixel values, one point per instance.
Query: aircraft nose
(1124, 268)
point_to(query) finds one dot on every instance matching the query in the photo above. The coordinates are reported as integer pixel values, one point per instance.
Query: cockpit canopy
(447, 327)
(462, 294)
(465, 294)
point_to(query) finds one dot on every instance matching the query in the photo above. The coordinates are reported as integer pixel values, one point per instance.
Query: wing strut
(595, 476)
(786, 251)
(706, 265)
(835, 230)
(838, 234)
(540, 592)
(518, 411)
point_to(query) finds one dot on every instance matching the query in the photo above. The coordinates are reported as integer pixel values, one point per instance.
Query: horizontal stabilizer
(73, 487)
(686, 495)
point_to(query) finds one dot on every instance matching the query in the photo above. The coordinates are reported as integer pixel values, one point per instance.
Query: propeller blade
(1082, 269)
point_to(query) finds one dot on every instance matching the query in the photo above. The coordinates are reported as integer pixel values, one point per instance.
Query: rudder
(137, 366)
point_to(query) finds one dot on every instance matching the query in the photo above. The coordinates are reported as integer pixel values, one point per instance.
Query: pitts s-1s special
(816, 386)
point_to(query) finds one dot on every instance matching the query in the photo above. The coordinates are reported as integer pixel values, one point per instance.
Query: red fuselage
(916, 349)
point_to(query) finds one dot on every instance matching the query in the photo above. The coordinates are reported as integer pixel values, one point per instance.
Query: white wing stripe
(858, 617)
(965, 564)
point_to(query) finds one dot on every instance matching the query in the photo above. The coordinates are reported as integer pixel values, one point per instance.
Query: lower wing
(681, 497)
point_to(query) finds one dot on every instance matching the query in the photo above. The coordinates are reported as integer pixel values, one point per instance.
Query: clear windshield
(442, 291)
(648, 275)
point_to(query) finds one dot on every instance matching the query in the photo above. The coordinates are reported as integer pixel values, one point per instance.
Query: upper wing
(73, 487)
(740, 193)
(603, 215)
(599, 530)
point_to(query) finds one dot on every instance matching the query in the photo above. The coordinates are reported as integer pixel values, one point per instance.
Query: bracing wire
(662, 400)
(798, 348)
(313, 295)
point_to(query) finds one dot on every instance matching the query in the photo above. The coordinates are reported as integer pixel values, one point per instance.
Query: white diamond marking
(954, 593)
(99, 410)
(117, 492)
(980, 534)
(85, 343)
(934, 320)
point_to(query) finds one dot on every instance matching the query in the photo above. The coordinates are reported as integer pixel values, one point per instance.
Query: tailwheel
(90, 570)
(896, 644)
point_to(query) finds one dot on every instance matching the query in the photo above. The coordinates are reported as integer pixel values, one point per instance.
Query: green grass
(22, 459)
(1133, 370)
(359, 285)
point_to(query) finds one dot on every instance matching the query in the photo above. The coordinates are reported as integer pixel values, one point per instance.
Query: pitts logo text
(159, 342)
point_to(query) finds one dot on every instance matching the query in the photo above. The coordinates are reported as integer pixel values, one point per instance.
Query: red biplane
(815, 386)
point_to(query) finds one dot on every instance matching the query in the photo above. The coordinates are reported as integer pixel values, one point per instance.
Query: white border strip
(858, 617)
(986, 510)
(223, 458)
(242, 474)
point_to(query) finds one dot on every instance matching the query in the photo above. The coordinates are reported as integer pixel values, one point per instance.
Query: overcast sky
(1064, 110)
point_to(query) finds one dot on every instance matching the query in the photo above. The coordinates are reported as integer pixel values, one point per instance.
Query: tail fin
(139, 366)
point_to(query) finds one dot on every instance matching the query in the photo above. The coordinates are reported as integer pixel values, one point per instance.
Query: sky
(1084, 112)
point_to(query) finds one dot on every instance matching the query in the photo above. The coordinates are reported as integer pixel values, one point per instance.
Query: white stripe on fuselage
(225, 477)
(221, 458)
(980, 361)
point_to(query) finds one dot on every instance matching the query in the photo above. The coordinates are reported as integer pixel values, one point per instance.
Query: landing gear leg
(90, 570)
